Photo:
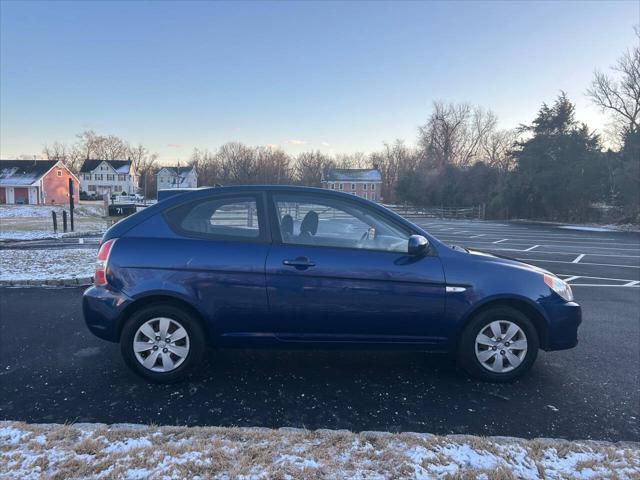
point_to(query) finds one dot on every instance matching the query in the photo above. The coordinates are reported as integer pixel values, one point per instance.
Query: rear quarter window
(219, 218)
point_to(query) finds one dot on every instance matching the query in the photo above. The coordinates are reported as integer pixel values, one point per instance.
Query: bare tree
(68, 154)
(310, 167)
(238, 162)
(273, 166)
(352, 160)
(497, 149)
(620, 94)
(392, 161)
(454, 133)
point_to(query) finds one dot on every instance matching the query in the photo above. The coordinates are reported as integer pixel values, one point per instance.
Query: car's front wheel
(499, 344)
(162, 343)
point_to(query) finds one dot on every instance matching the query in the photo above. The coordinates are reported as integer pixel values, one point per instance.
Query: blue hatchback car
(295, 266)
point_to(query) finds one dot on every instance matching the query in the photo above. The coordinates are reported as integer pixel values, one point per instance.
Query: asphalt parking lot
(53, 370)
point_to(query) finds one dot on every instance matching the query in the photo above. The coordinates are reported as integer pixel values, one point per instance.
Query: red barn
(36, 182)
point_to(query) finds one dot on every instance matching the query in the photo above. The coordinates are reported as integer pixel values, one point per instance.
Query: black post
(71, 201)
(55, 221)
(64, 221)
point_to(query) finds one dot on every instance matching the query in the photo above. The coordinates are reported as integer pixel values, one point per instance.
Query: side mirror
(418, 245)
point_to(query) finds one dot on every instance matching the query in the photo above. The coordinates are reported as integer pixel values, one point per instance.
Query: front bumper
(564, 320)
(103, 312)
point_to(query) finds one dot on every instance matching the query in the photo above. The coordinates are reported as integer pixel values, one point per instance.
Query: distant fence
(411, 211)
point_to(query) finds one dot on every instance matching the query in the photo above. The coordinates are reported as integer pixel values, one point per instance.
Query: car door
(339, 270)
(218, 258)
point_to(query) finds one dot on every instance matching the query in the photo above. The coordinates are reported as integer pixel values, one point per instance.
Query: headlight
(561, 287)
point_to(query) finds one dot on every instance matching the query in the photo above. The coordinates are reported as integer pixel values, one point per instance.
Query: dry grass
(125, 451)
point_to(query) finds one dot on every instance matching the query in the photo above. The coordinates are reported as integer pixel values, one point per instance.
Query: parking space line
(500, 241)
(632, 284)
(531, 248)
(570, 263)
(557, 243)
(479, 235)
(563, 253)
(569, 279)
(578, 258)
(626, 280)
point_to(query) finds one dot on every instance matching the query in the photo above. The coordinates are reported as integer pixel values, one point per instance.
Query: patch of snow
(128, 444)
(11, 436)
(44, 211)
(59, 264)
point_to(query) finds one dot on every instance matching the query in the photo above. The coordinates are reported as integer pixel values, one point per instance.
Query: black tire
(185, 319)
(467, 346)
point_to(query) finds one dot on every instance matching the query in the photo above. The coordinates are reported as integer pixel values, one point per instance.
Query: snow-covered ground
(50, 264)
(31, 222)
(40, 211)
(138, 451)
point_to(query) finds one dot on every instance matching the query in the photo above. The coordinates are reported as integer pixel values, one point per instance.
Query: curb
(63, 282)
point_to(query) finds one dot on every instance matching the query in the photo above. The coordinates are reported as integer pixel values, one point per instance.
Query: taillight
(100, 277)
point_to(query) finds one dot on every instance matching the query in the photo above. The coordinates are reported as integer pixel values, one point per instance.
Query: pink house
(362, 182)
(36, 182)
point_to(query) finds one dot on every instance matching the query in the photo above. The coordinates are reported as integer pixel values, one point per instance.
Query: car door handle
(300, 263)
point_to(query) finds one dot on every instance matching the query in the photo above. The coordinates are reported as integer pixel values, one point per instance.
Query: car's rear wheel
(499, 344)
(162, 343)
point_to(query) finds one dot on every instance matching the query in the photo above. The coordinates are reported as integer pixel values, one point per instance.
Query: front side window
(313, 220)
(232, 218)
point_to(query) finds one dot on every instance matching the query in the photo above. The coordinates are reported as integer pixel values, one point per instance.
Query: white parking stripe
(578, 258)
(632, 284)
(626, 280)
(479, 235)
(500, 241)
(570, 263)
(531, 239)
(539, 252)
(577, 247)
(531, 248)
(568, 279)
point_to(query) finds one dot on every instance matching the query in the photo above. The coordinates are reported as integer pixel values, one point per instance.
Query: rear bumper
(565, 318)
(103, 311)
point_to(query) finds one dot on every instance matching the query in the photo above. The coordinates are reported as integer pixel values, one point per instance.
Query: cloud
(174, 145)
(325, 144)
(272, 145)
(295, 142)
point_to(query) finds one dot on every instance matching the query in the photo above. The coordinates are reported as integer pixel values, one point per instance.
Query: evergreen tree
(559, 171)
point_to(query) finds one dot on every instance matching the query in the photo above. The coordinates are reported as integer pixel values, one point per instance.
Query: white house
(176, 177)
(108, 176)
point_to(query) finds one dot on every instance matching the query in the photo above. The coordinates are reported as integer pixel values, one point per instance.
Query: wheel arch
(526, 307)
(164, 298)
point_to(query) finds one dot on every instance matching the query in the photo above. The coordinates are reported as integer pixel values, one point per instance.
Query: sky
(340, 77)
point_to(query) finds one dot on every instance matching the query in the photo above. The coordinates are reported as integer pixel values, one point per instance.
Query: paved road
(53, 370)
